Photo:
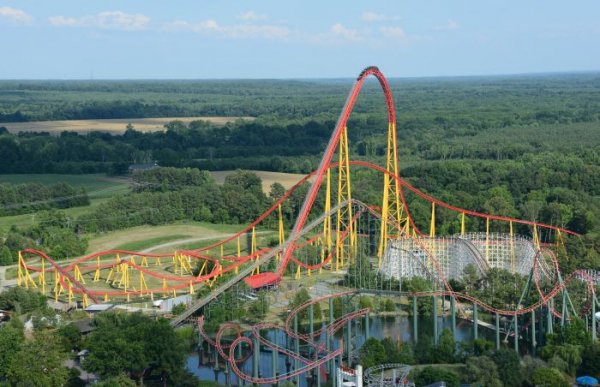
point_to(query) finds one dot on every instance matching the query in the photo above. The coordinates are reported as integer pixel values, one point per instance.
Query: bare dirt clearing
(268, 178)
(114, 126)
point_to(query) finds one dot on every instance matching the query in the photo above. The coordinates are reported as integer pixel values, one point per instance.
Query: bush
(430, 375)
(22, 300)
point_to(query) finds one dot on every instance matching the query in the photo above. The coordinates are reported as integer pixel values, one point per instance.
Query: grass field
(99, 187)
(146, 236)
(115, 126)
(268, 178)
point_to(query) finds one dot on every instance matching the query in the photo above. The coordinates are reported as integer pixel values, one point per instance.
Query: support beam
(533, 337)
(497, 331)
(274, 358)
(475, 323)
(329, 339)
(453, 315)
(549, 327)
(297, 349)
(516, 324)
(594, 329)
(415, 327)
(435, 322)
(255, 358)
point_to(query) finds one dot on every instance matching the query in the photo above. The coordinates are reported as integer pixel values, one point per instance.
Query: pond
(396, 327)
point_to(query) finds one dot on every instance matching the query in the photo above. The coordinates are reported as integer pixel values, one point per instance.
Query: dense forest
(524, 146)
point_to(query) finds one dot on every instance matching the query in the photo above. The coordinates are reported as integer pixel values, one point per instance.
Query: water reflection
(396, 327)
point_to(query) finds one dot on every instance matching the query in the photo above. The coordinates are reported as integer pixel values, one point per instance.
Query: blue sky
(80, 39)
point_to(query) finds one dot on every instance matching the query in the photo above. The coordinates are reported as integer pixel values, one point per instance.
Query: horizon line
(490, 75)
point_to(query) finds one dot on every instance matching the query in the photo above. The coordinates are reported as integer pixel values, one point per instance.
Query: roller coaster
(335, 233)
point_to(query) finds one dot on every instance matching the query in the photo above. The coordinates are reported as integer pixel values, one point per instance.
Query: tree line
(25, 198)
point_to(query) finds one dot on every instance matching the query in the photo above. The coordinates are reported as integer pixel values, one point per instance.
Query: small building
(166, 305)
(97, 308)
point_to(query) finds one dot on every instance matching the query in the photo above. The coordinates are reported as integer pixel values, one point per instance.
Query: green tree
(372, 353)
(548, 377)
(120, 380)
(590, 361)
(178, 309)
(569, 353)
(11, 339)
(70, 337)
(300, 298)
(39, 362)
(398, 352)
(134, 344)
(5, 256)
(22, 300)
(529, 366)
(445, 351)
(481, 370)
(430, 375)
(509, 366)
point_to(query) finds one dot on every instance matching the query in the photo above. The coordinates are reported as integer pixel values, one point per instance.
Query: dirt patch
(114, 126)
(268, 178)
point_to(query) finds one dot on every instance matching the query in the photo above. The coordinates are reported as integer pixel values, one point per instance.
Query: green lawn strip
(147, 243)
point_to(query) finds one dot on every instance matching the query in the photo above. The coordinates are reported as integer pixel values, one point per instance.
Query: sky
(200, 39)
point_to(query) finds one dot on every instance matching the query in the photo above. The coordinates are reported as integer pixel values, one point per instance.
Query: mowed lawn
(143, 237)
(115, 126)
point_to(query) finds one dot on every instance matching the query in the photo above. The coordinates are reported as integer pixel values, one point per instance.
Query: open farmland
(114, 126)
(287, 180)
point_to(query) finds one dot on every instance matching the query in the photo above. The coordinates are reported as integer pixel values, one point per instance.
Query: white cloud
(235, 31)
(370, 16)
(15, 16)
(113, 20)
(251, 16)
(450, 25)
(336, 34)
(393, 32)
(339, 31)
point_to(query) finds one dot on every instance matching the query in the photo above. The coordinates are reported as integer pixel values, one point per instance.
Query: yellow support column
(462, 224)
(253, 248)
(42, 276)
(536, 237)
(19, 270)
(344, 214)
(144, 262)
(97, 273)
(392, 210)
(281, 231)
(110, 274)
(432, 237)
